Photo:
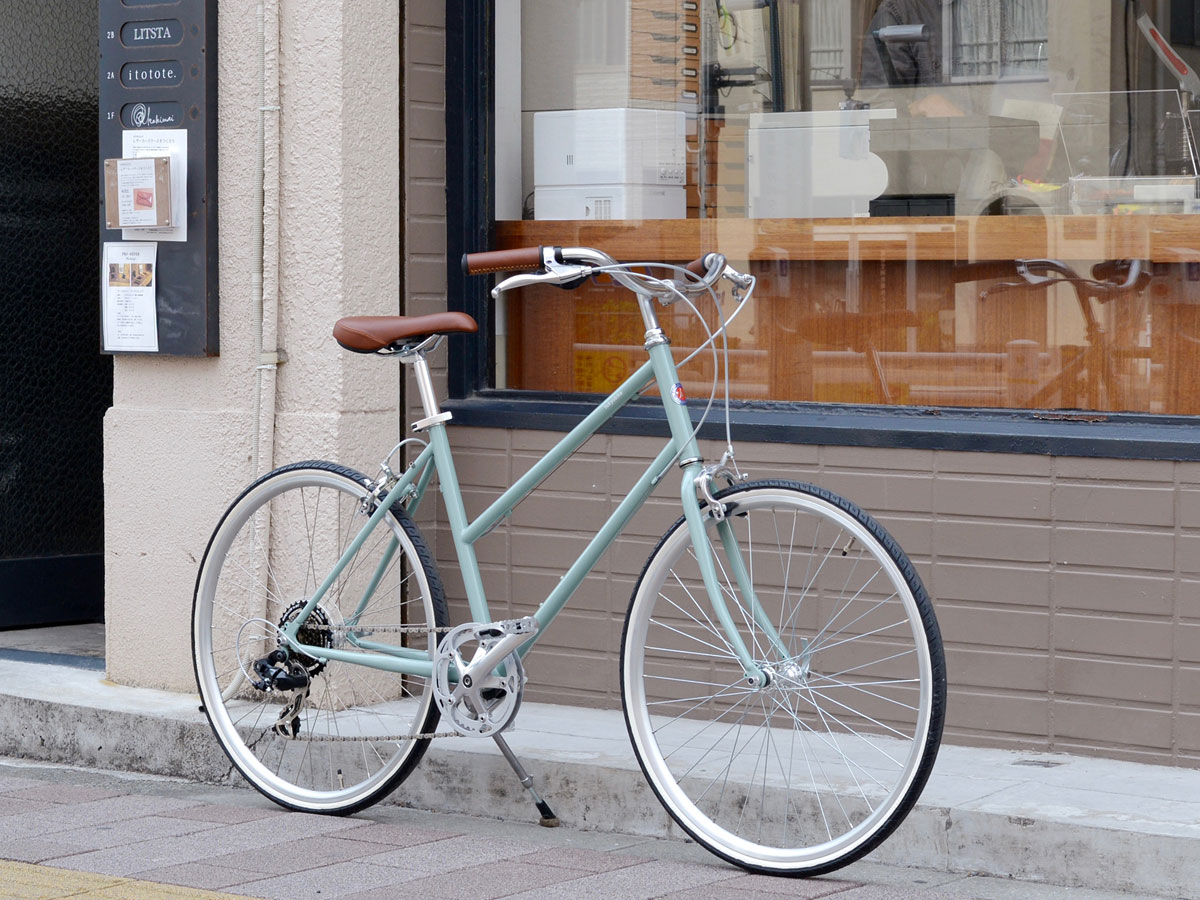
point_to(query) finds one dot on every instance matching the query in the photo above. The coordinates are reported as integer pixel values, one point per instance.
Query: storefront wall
(178, 438)
(1066, 587)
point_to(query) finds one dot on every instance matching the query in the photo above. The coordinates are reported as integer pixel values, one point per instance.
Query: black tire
(271, 549)
(816, 769)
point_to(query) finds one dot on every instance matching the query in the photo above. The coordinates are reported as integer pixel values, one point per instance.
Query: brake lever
(1030, 278)
(557, 274)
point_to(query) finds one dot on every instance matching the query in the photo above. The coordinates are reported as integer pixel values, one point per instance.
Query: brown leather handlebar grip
(521, 259)
(698, 266)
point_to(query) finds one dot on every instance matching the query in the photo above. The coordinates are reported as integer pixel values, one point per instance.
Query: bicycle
(782, 674)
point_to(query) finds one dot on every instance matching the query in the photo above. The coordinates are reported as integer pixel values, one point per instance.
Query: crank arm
(514, 633)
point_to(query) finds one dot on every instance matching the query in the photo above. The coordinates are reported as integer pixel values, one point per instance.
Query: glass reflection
(885, 168)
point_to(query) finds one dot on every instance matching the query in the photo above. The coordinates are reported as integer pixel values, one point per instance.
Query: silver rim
(803, 774)
(348, 741)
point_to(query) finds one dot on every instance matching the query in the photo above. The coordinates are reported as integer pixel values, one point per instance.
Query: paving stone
(651, 879)
(25, 881)
(227, 814)
(338, 880)
(396, 835)
(294, 856)
(84, 838)
(60, 817)
(14, 806)
(789, 887)
(62, 793)
(487, 882)
(16, 783)
(200, 875)
(896, 892)
(33, 849)
(205, 845)
(423, 860)
(721, 892)
(586, 860)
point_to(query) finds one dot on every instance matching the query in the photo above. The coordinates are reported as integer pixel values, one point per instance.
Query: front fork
(737, 583)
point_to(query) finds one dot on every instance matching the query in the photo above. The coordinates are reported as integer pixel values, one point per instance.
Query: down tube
(612, 528)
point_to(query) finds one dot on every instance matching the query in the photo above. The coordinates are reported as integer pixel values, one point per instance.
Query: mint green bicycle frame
(437, 455)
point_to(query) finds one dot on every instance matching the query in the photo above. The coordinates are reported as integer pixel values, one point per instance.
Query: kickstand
(549, 819)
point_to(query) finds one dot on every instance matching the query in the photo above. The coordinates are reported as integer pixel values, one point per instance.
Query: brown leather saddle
(371, 334)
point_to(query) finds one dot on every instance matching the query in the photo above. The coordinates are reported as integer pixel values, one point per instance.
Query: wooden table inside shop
(894, 255)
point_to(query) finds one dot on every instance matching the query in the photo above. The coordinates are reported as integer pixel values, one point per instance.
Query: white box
(812, 164)
(610, 201)
(608, 146)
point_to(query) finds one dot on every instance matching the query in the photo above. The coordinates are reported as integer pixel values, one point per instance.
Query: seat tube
(434, 424)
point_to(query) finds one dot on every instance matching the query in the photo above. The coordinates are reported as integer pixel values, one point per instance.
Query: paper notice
(140, 143)
(135, 192)
(129, 313)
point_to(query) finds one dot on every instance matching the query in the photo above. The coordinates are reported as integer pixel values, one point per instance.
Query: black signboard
(158, 70)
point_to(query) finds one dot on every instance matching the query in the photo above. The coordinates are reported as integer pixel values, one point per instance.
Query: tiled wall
(1068, 589)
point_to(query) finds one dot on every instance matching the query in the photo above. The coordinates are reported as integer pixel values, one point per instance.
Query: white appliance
(803, 165)
(609, 164)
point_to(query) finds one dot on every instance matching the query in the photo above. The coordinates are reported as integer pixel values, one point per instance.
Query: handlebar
(502, 260)
(1104, 282)
(567, 266)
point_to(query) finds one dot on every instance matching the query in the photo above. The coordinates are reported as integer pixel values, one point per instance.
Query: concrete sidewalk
(67, 832)
(1063, 820)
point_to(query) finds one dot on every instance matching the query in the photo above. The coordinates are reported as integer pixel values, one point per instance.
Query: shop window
(883, 168)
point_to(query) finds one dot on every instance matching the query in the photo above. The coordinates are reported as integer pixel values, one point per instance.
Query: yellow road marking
(21, 881)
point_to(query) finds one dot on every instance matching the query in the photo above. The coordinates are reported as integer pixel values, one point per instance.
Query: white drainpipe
(265, 277)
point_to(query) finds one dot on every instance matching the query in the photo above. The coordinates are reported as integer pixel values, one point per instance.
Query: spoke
(859, 637)
(684, 634)
(697, 653)
(682, 680)
(856, 687)
(815, 575)
(892, 596)
(700, 702)
(710, 625)
(862, 715)
(715, 721)
(873, 662)
(825, 715)
(786, 566)
(705, 697)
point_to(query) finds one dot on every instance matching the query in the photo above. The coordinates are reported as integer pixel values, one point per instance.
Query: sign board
(158, 100)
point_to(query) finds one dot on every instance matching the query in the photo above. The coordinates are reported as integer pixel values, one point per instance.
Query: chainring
(483, 708)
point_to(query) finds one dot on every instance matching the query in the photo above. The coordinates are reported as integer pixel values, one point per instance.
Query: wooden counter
(950, 239)
(889, 332)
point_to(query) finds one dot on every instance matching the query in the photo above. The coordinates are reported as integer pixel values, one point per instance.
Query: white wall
(177, 439)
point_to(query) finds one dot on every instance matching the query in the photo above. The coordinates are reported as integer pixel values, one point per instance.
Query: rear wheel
(330, 737)
(814, 770)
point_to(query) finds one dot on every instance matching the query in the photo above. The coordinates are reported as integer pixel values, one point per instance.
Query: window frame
(470, 226)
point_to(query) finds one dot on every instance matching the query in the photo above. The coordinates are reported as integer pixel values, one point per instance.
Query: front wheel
(814, 770)
(326, 736)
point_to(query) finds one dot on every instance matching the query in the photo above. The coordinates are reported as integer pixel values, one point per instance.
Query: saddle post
(415, 357)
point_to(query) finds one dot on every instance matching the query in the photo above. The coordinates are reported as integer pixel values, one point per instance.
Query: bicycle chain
(386, 739)
(402, 629)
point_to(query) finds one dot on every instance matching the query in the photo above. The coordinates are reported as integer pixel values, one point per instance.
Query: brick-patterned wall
(1068, 589)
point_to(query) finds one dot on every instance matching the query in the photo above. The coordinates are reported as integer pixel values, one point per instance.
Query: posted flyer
(128, 279)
